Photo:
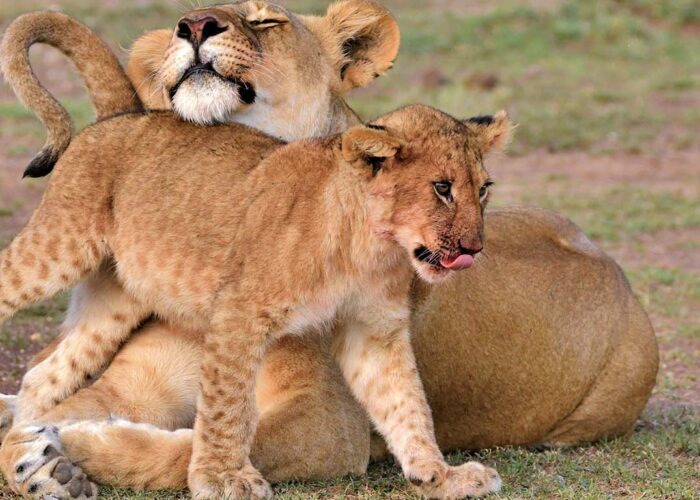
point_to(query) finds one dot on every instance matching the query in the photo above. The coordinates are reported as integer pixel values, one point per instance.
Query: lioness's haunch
(340, 223)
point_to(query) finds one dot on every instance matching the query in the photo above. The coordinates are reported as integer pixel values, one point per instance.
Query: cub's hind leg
(154, 380)
(42, 261)
(101, 316)
(7, 414)
(64, 241)
(310, 425)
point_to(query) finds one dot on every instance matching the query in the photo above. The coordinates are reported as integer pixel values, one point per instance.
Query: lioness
(346, 220)
(483, 358)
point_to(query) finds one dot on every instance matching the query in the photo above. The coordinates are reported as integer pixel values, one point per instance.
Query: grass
(624, 211)
(660, 460)
(542, 60)
(606, 77)
(44, 314)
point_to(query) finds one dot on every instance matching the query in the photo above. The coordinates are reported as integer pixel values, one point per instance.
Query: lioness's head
(427, 184)
(256, 63)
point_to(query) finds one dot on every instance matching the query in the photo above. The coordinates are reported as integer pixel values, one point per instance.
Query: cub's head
(426, 182)
(256, 63)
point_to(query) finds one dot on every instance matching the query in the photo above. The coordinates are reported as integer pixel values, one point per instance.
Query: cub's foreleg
(234, 347)
(100, 318)
(377, 360)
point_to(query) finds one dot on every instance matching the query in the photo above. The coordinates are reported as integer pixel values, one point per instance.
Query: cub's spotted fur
(341, 222)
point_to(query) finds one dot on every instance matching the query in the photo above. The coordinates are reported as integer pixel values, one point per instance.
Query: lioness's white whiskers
(270, 70)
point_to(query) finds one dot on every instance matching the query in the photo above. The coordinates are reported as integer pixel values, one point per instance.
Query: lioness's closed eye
(251, 62)
(254, 62)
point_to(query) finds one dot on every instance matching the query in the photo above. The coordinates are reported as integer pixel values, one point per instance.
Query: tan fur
(520, 373)
(547, 343)
(473, 408)
(297, 84)
(154, 380)
(322, 202)
(310, 76)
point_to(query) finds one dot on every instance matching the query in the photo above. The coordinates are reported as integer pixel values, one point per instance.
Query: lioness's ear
(145, 59)
(494, 132)
(362, 38)
(371, 145)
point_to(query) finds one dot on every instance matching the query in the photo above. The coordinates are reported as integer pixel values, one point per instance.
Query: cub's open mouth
(246, 91)
(441, 262)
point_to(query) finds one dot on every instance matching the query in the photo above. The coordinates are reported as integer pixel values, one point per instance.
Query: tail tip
(41, 165)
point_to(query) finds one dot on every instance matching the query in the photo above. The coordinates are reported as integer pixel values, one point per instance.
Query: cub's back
(168, 191)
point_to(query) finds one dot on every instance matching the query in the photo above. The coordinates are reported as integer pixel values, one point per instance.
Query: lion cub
(264, 240)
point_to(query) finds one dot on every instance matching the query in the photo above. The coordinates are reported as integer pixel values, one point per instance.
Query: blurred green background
(604, 75)
(607, 97)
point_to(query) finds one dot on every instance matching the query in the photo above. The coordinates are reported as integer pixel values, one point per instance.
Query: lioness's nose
(197, 29)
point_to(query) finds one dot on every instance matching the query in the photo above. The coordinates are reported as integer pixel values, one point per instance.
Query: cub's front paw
(32, 460)
(438, 480)
(245, 483)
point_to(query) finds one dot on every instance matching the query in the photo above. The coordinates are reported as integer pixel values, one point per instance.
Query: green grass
(669, 292)
(545, 61)
(46, 313)
(575, 77)
(623, 211)
(15, 113)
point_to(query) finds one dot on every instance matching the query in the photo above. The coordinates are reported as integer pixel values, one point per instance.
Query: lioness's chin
(207, 102)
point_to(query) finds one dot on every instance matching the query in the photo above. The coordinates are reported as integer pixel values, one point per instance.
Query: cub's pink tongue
(455, 264)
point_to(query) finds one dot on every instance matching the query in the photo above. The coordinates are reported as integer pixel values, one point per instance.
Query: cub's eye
(443, 189)
(485, 188)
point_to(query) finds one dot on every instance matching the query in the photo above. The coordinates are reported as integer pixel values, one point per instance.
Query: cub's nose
(470, 248)
(197, 29)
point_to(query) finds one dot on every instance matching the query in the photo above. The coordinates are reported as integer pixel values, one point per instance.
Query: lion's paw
(33, 463)
(245, 483)
(7, 414)
(435, 480)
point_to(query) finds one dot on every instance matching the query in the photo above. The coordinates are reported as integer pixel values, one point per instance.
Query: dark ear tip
(481, 120)
(41, 165)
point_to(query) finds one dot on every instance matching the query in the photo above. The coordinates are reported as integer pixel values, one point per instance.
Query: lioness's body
(530, 360)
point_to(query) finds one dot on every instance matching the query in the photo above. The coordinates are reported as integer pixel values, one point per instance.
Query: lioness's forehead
(256, 9)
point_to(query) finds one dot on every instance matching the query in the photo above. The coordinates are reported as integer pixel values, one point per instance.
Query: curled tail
(109, 87)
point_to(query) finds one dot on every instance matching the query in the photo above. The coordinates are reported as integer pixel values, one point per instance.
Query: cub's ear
(362, 39)
(494, 132)
(370, 145)
(145, 59)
